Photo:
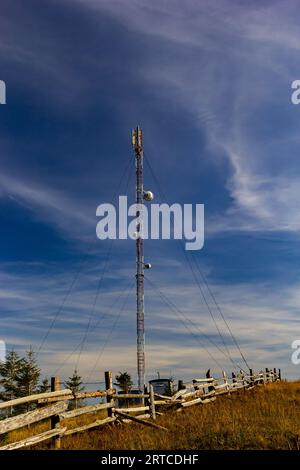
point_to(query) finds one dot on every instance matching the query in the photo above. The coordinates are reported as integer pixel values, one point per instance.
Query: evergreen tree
(75, 384)
(9, 371)
(124, 381)
(45, 386)
(28, 376)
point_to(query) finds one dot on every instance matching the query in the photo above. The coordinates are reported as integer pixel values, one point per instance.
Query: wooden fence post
(225, 377)
(180, 385)
(270, 375)
(251, 377)
(55, 420)
(208, 376)
(108, 387)
(195, 384)
(145, 392)
(151, 400)
(244, 381)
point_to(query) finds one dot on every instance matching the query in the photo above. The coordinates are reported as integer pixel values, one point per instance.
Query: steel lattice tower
(137, 143)
(141, 195)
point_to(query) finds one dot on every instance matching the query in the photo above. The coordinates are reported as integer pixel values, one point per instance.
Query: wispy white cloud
(265, 322)
(73, 217)
(233, 64)
(218, 66)
(225, 66)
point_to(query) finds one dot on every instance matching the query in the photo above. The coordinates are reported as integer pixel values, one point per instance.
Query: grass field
(266, 417)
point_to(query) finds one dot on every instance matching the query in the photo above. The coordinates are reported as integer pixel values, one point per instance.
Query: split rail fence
(54, 405)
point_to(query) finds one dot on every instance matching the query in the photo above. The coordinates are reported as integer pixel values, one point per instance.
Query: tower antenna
(137, 143)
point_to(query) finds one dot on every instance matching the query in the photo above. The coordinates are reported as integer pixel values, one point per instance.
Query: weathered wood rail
(54, 405)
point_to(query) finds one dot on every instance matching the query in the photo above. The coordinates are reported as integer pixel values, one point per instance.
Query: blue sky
(210, 85)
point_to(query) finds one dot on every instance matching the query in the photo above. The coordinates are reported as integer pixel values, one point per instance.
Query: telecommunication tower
(141, 195)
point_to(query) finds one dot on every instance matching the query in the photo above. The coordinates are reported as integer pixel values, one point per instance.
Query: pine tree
(124, 381)
(9, 371)
(75, 384)
(28, 377)
(45, 386)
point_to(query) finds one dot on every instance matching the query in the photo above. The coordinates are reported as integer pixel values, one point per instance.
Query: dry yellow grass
(266, 417)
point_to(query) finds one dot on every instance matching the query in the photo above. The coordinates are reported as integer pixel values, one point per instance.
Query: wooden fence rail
(62, 394)
(16, 422)
(85, 410)
(30, 441)
(199, 392)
